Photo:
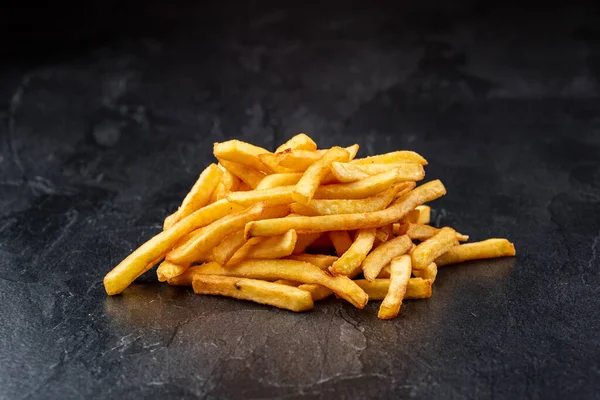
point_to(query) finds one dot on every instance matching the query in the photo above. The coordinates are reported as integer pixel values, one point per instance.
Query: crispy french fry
(185, 279)
(300, 160)
(399, 278)
(420, 215)
(395, 157)
(248, 176)
(273, 247)
(286, 269)
(424, 232)
(490, 248)
(417, 288)
(223, 252)
(167, 270)
(323, 223)
(307, 185)
(317, 292)
(322, 261)
(279, 180)
(429, 272)
(270, 160)
(349, 263)
(341, 241)
(228, 183)
(273, 294)
(151, 252)
(198, 196)
(305, 241)
(383, 255)
(358, 190)
(210, 236)
(426, 252)
(287, 282)
(350, 172)
(300, 141)
(241, 153)
(273, 196)
(384, 233)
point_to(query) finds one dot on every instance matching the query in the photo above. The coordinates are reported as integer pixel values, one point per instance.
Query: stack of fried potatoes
(294, 226)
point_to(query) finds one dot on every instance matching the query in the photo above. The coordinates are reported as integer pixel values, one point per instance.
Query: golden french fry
(322, 261)
(426, 252)
(358, 190)
(395, 157)
(273, 196)
(241, 153)
(424, 232)
(429, 272)
(341, 241)
(300, 141)
(151, 252)
(185, 279)
(420, 215)
(271, 161)
(305, 241)
(287, 282)
(198, 196)
(307, 185)
(317, 292)
(167, 270)
(273, 294)
(223, 252)
(229, 183)
(350, 172)
(210, 236)
(285, 269)
(399, 278)
(384, 233)
(417, 288)
(490, 248)
(323, 223)
(273, 247)
(248, 176)
(279, 180)
(300, 160)
(349, 263)
(383, 255)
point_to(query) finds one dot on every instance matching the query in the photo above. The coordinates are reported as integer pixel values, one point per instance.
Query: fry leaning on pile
(263, 226)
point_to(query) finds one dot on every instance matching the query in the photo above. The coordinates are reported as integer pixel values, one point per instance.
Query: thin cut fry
(417, 288)
(400, 276)
(323, 223)
(273, 247)
(151, 252)
(424, 232)
(271, 161)
(249, 176)
(223, 252)
(273, 294)
(349, 263)
(395, 157)
(490, 248)
(383, 254)
(229, 183)
(317, 292)
(198, 196)
(274, 196)
(358, 190)
(287, 282)
(210, 236)
(427, 251)
(278, 180)
(322, 261)
(350, 172)
(241, 153)
(300, 141)
(167, 270)
(300, 160)
(420, 215)
(341, 241)
(429, 272)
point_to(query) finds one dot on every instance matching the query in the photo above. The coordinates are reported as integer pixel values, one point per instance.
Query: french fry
(300, 141)
(317, 292)
(248, 176)
(490, 248)
(211, 235)
(384, 233)
(273, 247)
(349, 263)
(341, 241)
(198, 196)
(399, 278)
(305, 241)
(429, 272)
(291, 270)
(323, 223)
(270, 160)
(383, 255)
(350, 172)
(273, 196)
(420, 215)
(279, 180)
(273, 294)
(358, 190)
(423, 232)
(417, 288)
(185, 279)
(154, 250)
(242, 153)
(223, 252)
(300, 160)
(395, 157)
(426, 252)
(228, 183)
(167, 270)
(307, 185)
(322, 261)
(243, 187)
(287, 282)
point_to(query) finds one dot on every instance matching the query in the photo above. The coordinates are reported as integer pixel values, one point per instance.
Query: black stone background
(109, 111)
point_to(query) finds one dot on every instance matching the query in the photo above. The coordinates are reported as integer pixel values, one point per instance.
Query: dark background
(109, 111)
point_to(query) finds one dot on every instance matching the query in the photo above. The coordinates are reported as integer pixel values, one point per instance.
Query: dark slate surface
(103, 134)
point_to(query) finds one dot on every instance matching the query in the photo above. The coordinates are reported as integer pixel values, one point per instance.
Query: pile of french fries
(294, 226)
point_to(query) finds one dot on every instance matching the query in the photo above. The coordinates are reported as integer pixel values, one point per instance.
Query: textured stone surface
(102, 139)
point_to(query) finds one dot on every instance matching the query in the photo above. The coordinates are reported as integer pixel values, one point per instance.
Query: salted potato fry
(424, 232)
(490, 248)
(358, 190)
(273, 196)
(300, 160)
(305, 241)
(307, 185)
(211, 235)
(417, 288)
(249, 176)
(151, 252)
(383, 255)
(341, 241)
(291, 270)
(429, 272)
(317, 292)
(228, 183)
(300, 141)
(420, 215)
(323, 223)
(223, 252)
(198, 196)
(241, 153)
(395, 157)
(349, 263)
(279, 180)
(427, 251)
(273, 294)
(273, 247)
(399, 278)
(349, 172)
(167, 270)
(322, 261)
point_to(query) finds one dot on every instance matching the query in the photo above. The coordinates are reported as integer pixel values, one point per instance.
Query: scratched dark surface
(105, 127)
